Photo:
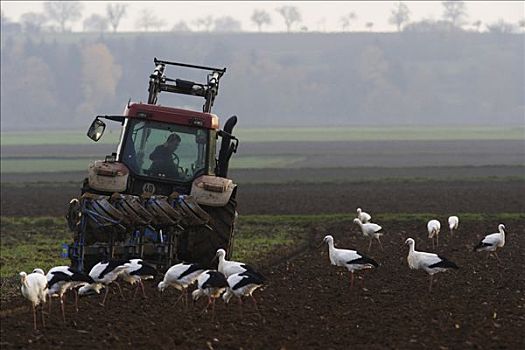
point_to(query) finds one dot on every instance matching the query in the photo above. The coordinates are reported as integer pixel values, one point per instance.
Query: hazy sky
(316, 15)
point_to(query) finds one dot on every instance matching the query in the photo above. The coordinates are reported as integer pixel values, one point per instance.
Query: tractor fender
(108, 176)
(213, 191)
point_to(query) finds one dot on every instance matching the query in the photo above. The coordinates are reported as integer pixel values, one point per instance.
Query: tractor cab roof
(172, 115)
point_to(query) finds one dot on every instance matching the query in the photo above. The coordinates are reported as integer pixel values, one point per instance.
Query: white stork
(137, 271)
(181, 276)
(492, 242)
(34, 289)
(210, 283)
(105, 273)
(243, 284)
(453, 223)
(60, 279)
(229, 267)
(351, 259)
(370, 230)
(364, 217)
(433, 228)
(429, 262)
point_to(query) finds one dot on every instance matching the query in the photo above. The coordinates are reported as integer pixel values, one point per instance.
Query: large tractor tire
(200, 245)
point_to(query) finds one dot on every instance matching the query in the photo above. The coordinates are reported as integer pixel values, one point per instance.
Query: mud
(307, 303)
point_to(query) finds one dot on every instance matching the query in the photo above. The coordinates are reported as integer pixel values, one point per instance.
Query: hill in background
(273, 79)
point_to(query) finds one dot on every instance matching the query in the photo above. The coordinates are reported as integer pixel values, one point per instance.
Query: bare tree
(400, 14)
(149, 20)
(455, 12)
(96, 23)
(3, 18)
(290, 15)
(429, 25)
(369, 26)
(477, 24)
(7, 25)
(501, 27)
(521, 24)
(181, 26)
(115, 12)
(347, 19)
(100, 75)
(204, 22)
(63, 12)
(260, 18)
(33, 22)
(227, 24)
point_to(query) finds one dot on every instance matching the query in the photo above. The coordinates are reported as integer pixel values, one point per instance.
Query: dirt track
(307, 303)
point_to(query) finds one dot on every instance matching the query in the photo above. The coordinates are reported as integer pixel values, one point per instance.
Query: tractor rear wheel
(200, 245)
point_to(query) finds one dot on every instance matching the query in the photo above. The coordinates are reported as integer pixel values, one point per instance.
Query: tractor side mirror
(96, 130)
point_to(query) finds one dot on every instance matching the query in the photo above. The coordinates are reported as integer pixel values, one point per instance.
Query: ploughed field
(308, 304)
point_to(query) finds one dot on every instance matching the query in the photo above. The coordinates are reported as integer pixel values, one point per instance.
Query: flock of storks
(231, 278)
(431, 263)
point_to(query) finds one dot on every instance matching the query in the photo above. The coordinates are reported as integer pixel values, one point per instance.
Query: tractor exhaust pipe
(228, 147)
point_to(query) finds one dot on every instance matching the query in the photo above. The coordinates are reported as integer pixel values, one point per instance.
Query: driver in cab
(164, 160)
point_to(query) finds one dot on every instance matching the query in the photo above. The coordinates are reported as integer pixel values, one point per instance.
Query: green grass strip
(30, 242)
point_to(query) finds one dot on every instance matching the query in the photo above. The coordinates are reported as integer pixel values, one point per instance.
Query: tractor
(181, 207)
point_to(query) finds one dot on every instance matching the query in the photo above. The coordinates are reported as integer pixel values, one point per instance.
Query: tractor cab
(164, 149)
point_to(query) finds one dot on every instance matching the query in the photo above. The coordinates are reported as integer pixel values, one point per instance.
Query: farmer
(164, 160)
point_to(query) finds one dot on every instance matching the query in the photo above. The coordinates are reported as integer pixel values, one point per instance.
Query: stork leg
(206, 308)
(135, 292)
(43, 317)
(184, 295)
(254, 302)
(120, 290)
(437, 241)
(76, 299)
(34, 316)
(240, 306)
(49, 307)
(142, 287)
(430, 285)
(213, 309)
(351, 279)
(62, 307)
(179, 298)
(432, 239)
(370, 244)
(105, 296)
(380, 244)
(497, 257)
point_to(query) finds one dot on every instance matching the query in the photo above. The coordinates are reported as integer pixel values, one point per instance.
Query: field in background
(248, 135)
(283, 148)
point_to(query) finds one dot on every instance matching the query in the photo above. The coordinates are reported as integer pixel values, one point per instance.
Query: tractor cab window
(167, 151)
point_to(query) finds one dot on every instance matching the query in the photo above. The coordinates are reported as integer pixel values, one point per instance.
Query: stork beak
(320, 244)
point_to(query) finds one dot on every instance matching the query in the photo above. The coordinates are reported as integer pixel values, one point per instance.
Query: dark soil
(437, 196)
(307, 303)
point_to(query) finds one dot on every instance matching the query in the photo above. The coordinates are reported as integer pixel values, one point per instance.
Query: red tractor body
(164, 195)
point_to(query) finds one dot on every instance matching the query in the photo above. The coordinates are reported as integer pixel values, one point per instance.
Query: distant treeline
(60, 81)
